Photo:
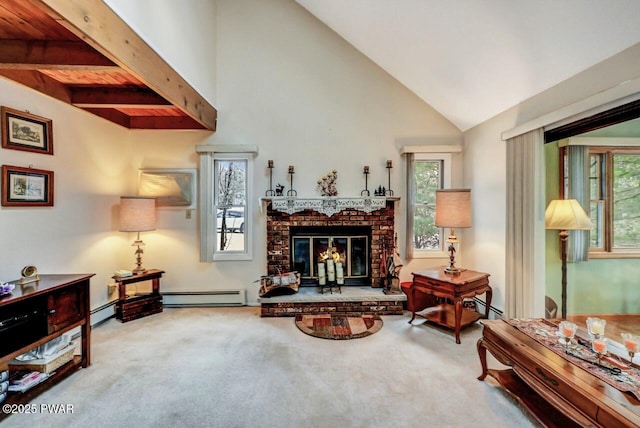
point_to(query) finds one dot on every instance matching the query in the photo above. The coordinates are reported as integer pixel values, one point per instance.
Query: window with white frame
(426, 173)
(226, 209)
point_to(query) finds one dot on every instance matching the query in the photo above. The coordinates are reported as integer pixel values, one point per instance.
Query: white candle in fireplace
(331, 273)
(322, 279)
(339, 273)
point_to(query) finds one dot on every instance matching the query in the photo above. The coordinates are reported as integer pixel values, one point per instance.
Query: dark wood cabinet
(35, 313)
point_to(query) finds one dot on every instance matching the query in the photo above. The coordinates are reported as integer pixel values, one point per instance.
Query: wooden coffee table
(455, 288)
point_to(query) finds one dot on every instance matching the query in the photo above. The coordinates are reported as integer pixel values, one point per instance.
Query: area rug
(338, 327)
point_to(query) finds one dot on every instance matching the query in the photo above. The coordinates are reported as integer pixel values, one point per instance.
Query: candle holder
(631, 343)
(291, 191)
(388, 191)
(595, 327)
(270, 192)
(567, 332)
(599, 346)
(366, 182)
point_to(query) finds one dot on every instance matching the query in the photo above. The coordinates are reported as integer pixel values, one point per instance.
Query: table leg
(482, 353)
(458, 314)
(413, 299)
(489, 295)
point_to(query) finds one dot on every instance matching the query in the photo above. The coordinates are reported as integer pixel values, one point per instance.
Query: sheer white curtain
(578, 163)
(411, 191)
(524, 290)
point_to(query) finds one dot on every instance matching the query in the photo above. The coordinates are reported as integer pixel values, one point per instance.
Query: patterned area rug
(338, 327)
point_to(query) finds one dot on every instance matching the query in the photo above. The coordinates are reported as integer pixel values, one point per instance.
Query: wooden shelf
(445, 314)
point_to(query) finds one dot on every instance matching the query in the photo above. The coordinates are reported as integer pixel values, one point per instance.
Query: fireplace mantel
(327, 205)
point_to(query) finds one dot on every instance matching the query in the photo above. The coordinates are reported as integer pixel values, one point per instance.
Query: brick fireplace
(281, 226)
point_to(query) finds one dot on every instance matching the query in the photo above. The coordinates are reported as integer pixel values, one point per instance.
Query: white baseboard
(204, 298)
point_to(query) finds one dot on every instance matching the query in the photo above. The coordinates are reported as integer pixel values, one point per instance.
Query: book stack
(22, 381)
(4, 385)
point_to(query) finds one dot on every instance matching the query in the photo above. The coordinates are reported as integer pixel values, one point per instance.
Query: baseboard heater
(204, 298)
(496, 312)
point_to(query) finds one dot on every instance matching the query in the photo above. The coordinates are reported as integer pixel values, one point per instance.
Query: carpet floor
(227, 367)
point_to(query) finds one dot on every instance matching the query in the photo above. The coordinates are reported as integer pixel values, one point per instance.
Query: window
(426, 172)
(226, 211)
(614, 186)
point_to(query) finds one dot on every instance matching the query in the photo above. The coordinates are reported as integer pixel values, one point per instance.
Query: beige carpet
(227, 367)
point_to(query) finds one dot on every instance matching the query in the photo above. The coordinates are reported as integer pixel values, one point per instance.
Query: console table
(555, 391)
(456, 288)
(128, 307)
(37, 312)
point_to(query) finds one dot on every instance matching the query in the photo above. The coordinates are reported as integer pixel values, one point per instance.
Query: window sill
(425, 254)
(613, 255)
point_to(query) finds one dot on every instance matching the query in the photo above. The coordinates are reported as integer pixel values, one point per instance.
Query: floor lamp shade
(137, 214)
(565, 215)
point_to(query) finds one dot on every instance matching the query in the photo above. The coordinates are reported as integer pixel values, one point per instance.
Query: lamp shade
(566, 214)
(453, 208)
(137, 214)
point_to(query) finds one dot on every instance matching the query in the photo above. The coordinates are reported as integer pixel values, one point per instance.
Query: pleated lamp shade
(453, 208)
(566, 214)
(137, 214)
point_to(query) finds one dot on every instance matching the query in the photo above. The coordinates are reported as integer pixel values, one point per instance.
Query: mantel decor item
(26, 187)
(453, 210)
(270, 192)
(388, 191)
(565, 215)
(366, 192)
(327, 184)
(137, 214)
(24, 131)
(291, 191)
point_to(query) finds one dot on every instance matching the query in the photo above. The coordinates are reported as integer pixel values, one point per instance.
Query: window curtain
(578, 189)
(411, 199)
(525, 226)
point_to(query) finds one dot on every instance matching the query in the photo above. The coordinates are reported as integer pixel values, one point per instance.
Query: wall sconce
(453, 210)
(565, 215)
(137, 214)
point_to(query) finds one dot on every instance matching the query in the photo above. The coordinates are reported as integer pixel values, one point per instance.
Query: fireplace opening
(351, 243)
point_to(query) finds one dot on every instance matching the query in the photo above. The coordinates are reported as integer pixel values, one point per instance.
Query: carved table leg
(482, 353)
(413, 303)
(458, 315)
(489, 295)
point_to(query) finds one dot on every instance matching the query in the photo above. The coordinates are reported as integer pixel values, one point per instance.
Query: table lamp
(137, 214)
(453, 210)
(565, 215)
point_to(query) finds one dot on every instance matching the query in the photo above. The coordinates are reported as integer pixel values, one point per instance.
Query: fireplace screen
(353, 252)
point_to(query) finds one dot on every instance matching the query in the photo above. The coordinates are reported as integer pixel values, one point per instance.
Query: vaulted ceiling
(82, 53)
(473, 59)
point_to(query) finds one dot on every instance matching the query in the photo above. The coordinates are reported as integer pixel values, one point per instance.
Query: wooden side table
(129, 308)
(456, 288)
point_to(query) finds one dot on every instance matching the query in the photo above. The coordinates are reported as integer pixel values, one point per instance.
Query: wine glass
(596, 326)
(599, 346)
(567, 331)
(631, 343)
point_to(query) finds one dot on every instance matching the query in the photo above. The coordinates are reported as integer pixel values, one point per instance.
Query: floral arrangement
(327, 184)
(6, 287)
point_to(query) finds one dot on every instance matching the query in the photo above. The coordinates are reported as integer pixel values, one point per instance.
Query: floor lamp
(565, 215)
(137, 214)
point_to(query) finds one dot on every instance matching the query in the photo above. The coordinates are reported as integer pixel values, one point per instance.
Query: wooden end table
(129, 308)
(456, 288)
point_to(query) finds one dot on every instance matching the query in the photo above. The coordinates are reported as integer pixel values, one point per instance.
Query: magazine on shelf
(23, 381)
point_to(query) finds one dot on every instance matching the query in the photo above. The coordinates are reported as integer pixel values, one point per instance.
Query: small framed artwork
(172, 188)
(25, 131)
(26, 187)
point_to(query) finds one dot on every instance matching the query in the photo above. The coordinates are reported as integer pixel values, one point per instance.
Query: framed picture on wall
(25, 131)
(172, 188)
(26, 187)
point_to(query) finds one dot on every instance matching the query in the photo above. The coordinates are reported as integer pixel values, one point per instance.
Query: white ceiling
(473, 59)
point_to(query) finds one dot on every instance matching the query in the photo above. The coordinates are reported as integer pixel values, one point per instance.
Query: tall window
(226, 211)
(614, 184)
(426, 172)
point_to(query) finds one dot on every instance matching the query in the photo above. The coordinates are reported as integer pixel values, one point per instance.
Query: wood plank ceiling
(62, 48)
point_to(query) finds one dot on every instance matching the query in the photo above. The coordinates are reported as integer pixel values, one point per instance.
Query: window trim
(446, 159)
(208, 217)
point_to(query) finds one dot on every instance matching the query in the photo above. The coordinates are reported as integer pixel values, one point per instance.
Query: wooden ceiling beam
(102, 97)
(96, 24)
(39, 82)
(111, 115)
(52, 55)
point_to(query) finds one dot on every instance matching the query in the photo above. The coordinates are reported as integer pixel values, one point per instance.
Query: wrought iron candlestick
(389, 192)
(270, 192)
(291, 192)
(366, 182)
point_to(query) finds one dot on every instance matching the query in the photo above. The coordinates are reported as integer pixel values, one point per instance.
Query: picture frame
(26, 131)
(172, 187)
(26, 187)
